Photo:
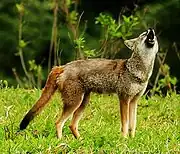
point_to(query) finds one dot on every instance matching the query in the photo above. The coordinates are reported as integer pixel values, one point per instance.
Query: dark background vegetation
(37, 21)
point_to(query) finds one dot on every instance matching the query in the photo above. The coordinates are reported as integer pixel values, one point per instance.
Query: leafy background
(84, 29)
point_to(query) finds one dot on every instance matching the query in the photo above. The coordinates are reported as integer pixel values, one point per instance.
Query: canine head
(146, 42)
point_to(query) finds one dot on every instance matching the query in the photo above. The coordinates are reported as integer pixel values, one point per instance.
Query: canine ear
(130, 43)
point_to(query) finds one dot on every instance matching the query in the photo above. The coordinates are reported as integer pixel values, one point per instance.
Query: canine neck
(140, 66)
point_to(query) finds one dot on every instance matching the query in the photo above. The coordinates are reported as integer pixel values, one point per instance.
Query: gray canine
(76, 80)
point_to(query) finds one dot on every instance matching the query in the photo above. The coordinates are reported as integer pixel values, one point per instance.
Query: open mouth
(150, 38)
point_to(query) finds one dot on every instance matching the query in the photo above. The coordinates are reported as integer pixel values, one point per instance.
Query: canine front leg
(132, 116)
(124, 109)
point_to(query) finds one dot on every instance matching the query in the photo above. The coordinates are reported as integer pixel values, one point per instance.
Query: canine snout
(150, 41)
(151, 34)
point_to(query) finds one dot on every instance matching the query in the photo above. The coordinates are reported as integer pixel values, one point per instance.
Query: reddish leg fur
(132, 116)
(124, 109)
(77, 116)
(72, 96)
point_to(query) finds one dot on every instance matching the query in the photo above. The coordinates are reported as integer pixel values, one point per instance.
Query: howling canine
(76, 80)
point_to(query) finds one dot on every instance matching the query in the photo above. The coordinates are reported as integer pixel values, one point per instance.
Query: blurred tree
(37, 23)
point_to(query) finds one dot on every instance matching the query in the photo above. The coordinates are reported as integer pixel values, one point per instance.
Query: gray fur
(76, 80)
(127, 78)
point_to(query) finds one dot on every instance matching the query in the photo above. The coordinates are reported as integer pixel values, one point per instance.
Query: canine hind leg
(78, 114)
(72, 95)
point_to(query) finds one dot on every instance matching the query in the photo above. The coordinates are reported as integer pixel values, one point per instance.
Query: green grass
(158, 126)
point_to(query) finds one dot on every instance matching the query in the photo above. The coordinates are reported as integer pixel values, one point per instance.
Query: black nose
(150, 29)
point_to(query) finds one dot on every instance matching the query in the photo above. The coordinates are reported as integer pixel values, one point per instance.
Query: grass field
(158, 126)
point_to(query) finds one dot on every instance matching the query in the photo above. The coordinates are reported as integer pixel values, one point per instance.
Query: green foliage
(108, 23)
(73, 17)
(36, 74)
(22, 44)
(117, 30)
(90, 53)
(37, 23)
(20, 8)
(36, 26)
(36, 71)
(68, 3)
(80, 44)
(35, 34)
(168, 79)
(3, 84)
(34, 77)
(113, 33)
(75, 34)
(128, 25)
(157, 126)
(169, 82)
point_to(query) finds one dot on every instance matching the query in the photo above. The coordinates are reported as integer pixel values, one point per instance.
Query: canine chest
(130, 87)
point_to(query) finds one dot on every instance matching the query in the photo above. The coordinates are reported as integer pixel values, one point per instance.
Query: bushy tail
(48, 91)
